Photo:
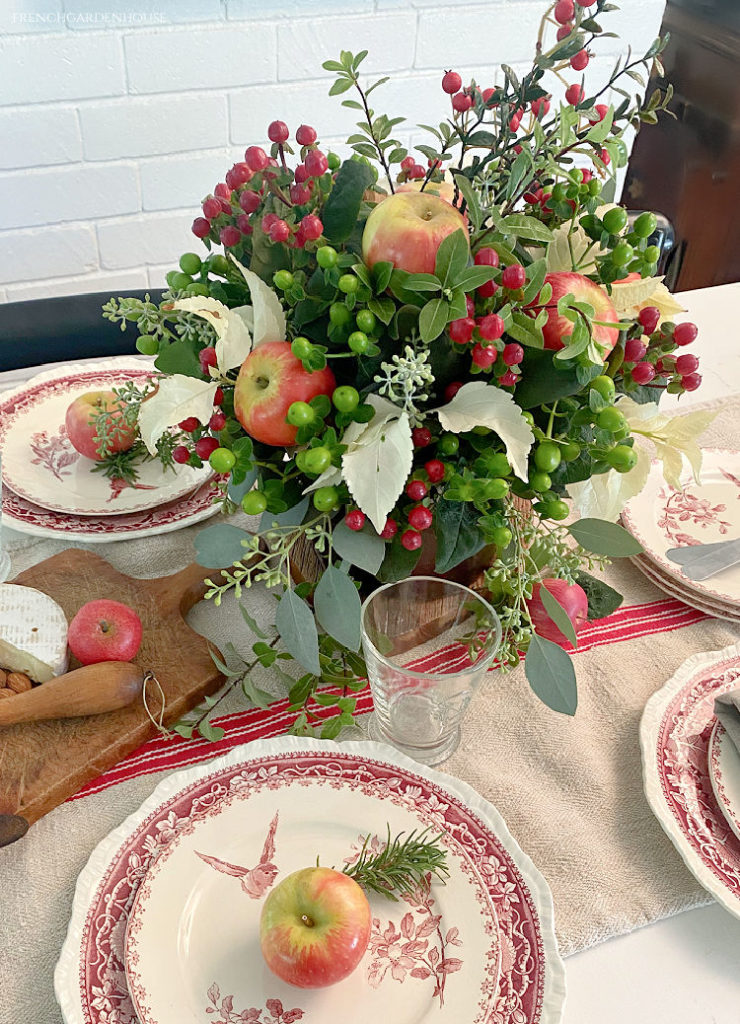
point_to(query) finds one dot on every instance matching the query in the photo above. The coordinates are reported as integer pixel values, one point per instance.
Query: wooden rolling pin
(89, 690)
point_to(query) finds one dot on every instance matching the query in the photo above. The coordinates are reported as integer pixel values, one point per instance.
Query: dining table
(681, 968)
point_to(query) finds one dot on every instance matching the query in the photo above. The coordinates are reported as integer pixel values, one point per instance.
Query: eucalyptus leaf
(252, 623)
(337, 604)
(605, 538)
(297, 628)
(363, 548)
(236, 492)
(550, 673)
(291, 517)
(558, 614)
(219, 546)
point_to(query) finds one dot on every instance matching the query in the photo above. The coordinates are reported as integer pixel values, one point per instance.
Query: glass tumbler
(428, 643)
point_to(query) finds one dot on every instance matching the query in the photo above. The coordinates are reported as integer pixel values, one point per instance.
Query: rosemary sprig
(402, 866)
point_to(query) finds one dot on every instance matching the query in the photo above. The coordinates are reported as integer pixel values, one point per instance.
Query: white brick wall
(116, 119)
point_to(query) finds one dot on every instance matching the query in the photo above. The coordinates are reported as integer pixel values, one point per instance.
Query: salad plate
(675, 734)
(41, 466)
(717, 609)
(165, 924)
(724, 771)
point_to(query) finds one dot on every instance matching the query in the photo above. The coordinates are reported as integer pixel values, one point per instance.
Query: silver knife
(691, 552)
(720, 557)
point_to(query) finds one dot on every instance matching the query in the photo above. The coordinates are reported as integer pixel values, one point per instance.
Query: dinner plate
(724, 771)
(675, 733)
(717, 609)
(662, 518)
(40, 464)
(173, 897)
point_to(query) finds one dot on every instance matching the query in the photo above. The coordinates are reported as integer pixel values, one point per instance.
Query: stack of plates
(50, 490)
(662, 518)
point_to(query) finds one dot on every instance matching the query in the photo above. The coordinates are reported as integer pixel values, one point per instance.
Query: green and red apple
(315, 927)
(81, 418)
(271, 378)
(407, 229)
(558, 329)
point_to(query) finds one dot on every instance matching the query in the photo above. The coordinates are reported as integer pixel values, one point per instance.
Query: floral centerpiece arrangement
(402, 361)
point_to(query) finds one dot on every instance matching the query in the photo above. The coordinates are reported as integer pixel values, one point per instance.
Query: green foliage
(551, 675)
(604, 538)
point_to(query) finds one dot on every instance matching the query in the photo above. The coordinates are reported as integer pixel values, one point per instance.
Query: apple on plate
(407, 229)
(573, 599)
(271, 378)
(81, 417)
(558, 329)
(315, 927)
(104, 630)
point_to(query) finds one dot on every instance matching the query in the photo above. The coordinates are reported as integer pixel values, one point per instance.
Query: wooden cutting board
(43, 763)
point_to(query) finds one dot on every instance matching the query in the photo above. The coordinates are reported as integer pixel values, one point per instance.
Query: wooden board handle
(90, 690)
(183, 589)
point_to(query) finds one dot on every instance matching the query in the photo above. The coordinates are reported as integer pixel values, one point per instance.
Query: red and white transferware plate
(717, 609)
(40, 464)
(172, 899)
(675, 734)
(724, 771)
(662, 518)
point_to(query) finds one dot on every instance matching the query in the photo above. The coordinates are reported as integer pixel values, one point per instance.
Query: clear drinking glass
(428, 643)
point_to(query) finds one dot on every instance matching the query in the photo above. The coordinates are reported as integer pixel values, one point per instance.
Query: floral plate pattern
(662, 518)
(675, 734)
(724, 771)
(716, 608)
(41, 466)
(497, 952)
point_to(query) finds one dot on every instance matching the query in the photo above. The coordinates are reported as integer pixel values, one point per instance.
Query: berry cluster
(648, 354)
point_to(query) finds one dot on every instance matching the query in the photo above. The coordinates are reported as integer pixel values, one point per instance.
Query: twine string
(158, 723)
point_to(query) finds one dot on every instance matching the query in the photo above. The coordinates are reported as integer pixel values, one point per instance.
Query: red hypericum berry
(256, 158)
(316, 163)
(407, 163)
(541, 106)
(217, 422)
(586, 174)
(491, 327)
(435, 470)
(691, 382)
(686, 364)
(312, 227)
(180, 454)
(601, 109)
(230, 236)
(421, 437)
(461, 331)
(665, 366)
(411, 540)
(207, 357)
(563, 31)
(585, 3)
(205, 447)
(649, 317)
(574, 94)
(684, 334)
(301, 174)
(201, 227)
(268, 220)
(299, 194)
(189, 425)
(487, 290)
(279, 231)
(240, 174)
(417, 172)
(513, 276)
(634, 350)
(277, 131)
(579, 60)
(420, 518)
(211, 208)
(242, 222)
(452, 389)
(470, 305)
(462, 102)
(222, 190)
(416, 490)
(564, 11)
(484, 355)
(486, 257)
(306, 135)
(513, 354)
(508, 379)
(225, 206)
(451, 82)
(299, 239)
(355, 519)
(218, 396)
(643, 373)
(515, 121)
(389, 530)
(605, 158)
(249, 201)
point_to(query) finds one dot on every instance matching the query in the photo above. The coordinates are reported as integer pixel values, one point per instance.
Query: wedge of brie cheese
(33, 633)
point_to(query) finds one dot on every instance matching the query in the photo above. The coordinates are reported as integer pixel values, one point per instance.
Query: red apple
(444, 189)
(407, 229)
(558, 329)
(570, 596)
(104, 630)
(315, 927)
(270, 380)
(80, 420)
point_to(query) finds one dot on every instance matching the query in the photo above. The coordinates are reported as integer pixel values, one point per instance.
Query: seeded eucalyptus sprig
(402, 865)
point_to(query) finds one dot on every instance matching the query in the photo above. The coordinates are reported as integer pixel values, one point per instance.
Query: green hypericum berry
(218, 264)
(282, 279)
(615, 220)
(147, 345)
(326, 499)
(254, 503)
(326, 257)
(594, 187)
(547, 456)
(197, 288)
(540, 481)
(346, 398)
(301, 348)
(359, 342)
(605, 387)
(622, 253)
(501, 537)
(560, 192)
(333, 160)
(366, 320)
(527, 415)
(557, 510)
(190, 263)
(222, 460)
(651, 254)
(570, 451)
(497, 464)
(448, 444)
(348, 284)
(339, 315)
(645, 224)
(179, 281)
(622, 458)
(316, 460)
(611, 420)
(300, 414)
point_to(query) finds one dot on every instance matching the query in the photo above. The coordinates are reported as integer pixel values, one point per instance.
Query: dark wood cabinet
(689, 169)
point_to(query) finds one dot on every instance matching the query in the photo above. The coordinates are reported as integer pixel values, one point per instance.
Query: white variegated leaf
(267, 311)
(629, 296)
(234, 341)
(176, 398)
(329, 478)
(673, 437)
(478, 404)
(605, 495)
(376, 466)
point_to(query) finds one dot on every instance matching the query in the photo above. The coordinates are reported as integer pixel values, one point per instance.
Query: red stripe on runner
(160, 753)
